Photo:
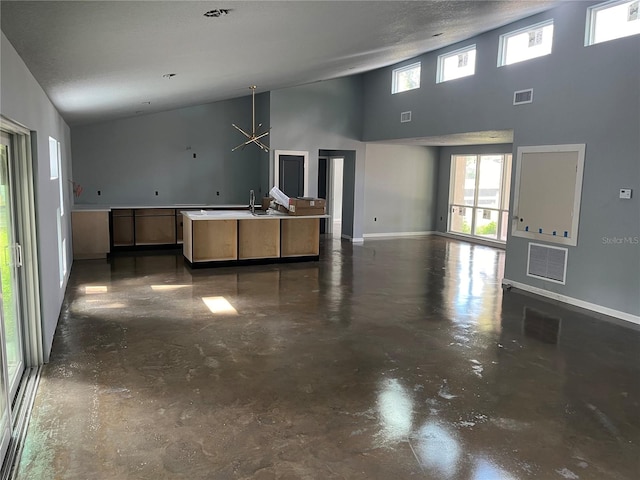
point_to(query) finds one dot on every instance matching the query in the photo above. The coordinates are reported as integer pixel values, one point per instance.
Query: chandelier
(253, 137)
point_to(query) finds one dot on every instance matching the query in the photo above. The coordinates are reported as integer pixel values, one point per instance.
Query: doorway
(10, 262)
(331, 187)
(21, 351)
(291, 172)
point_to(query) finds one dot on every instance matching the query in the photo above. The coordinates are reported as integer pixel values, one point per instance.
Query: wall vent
(523, 96)
(405, 117)
(548, 263)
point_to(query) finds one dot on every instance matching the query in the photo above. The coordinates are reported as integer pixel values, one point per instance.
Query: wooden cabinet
(90, 232)
(122, 227)
(155, 226)
(179, 225)
(215, 240)
(131, 227)
(224, 238)
(300, 237)
(258, 239)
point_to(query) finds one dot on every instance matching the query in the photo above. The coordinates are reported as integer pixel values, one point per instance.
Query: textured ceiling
(103, 60)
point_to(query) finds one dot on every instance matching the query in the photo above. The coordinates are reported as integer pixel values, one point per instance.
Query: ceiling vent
(405, 117)
(548, 263)
(523, 96)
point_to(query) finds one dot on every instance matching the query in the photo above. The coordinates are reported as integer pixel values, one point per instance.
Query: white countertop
(178, 206)
(242, 215)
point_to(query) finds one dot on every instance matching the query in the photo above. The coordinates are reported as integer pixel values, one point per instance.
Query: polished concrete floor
(395, 359)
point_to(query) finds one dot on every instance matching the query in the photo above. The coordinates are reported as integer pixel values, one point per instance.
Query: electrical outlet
(156, 193)
(99, 193)
(625, 193)
(194, 155)
(218, 194)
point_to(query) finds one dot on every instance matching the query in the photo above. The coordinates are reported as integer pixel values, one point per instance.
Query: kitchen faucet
(252, 201)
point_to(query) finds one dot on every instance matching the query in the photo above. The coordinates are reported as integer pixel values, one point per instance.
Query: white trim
(572, 240)
(547, 279)
(468, 238)
(524, 102)
(574, 301)
(32, 310)
(441, 59)
(590, 27)
(397, 234)
(397, 71)
(351, 239)
(276, 167)
(502, 41)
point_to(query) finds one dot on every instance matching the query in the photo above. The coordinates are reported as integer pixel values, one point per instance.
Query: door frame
(276, 167)
(26, 230)
(331, 191)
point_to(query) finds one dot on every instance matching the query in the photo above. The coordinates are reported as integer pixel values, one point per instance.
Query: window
(53, 157)
(406, 78)
(612, 20)
(457, 64)
(61, 246)
(479, 195)
(526, 43)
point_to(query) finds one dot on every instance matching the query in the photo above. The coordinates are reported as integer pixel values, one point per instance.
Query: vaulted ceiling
(100, 60)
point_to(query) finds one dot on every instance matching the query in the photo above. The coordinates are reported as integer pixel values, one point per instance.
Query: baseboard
(479, 241)
(574, 301)
(351, 239)
(397, 234)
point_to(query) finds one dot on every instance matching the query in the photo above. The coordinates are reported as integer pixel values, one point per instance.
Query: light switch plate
(625, 193)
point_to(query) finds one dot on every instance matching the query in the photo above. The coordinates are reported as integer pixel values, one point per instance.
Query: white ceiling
(101, 60)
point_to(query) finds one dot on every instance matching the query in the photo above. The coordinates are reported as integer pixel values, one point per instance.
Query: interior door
(10, 262)
(292, 175)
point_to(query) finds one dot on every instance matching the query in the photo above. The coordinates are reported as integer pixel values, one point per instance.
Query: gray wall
(400, 188)
(581, 95)
(24, 102)
(128, 160)
(324, 116)
(444, 175)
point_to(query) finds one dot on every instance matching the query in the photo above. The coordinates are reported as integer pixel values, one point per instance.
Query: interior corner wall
(400, 189)
(581, 95)
(323, 116)
(24, 102)
(444, 175)
(129, 159)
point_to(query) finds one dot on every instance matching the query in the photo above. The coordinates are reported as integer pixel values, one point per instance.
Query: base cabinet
(258, 239)
(207, 241)
(132, 227)
(300, 237)
(215, 240)
(90, 232)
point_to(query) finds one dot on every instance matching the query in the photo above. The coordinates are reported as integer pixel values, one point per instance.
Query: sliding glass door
(479, 195)
(11, 363)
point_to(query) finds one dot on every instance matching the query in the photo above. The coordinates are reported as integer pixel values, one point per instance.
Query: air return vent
(405, 117)
(523, 96)
(548, 263)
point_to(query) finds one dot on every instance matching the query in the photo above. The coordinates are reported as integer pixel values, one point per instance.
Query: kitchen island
(227, 237)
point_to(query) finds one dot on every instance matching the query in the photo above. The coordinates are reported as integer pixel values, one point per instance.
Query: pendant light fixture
(253, 137)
